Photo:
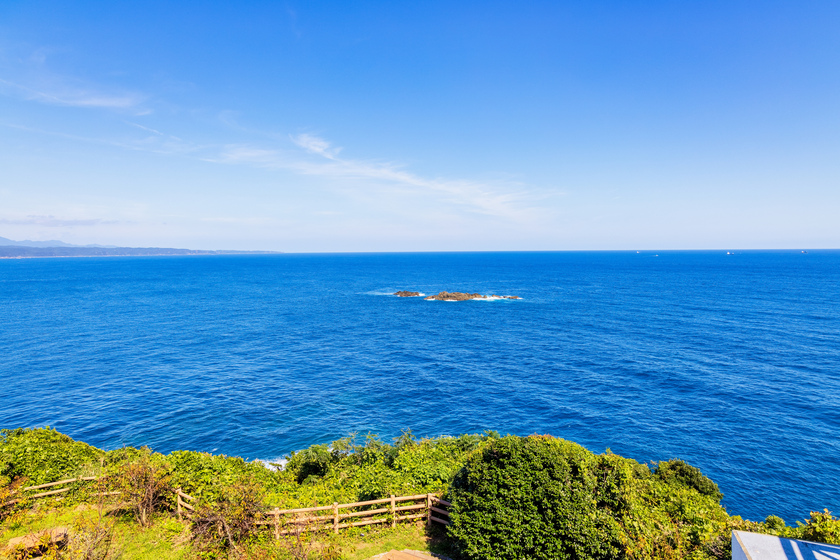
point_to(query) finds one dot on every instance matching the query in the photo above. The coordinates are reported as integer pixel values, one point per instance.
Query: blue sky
(383, 126)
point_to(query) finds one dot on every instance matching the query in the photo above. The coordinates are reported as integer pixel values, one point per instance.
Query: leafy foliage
(541, 497)
(535, 497)
(350, 470)
(230, 520)
(145, 484)
(204, 475)
(821, 527)
(10, 498)
(677, 471)
(43, 455)
(92, 539)
(311, 462)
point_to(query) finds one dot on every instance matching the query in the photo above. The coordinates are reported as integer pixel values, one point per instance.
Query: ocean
(730, 362)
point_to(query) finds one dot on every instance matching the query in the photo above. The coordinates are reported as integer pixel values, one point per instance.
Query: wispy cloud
(316, 145)
(508, 201)
(146, 128)
(253, 220)
(53, 221)
(31, 78)
(76, 97)
(160, 143)
(313, 155)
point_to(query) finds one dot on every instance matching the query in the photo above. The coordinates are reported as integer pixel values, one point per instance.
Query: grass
(168, 538)
(365, 544)
(165, 539)
(162, 540)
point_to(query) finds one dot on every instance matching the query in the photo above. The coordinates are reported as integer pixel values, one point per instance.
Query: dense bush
(204, 475)
(43, 455)
(541, 497)
(313, 461)
(535, 497)
(230, 521)
(821, 527)
(677, 471)
(144, 483)
(349, 470)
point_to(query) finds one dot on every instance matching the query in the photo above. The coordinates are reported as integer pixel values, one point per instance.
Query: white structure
(755, 546)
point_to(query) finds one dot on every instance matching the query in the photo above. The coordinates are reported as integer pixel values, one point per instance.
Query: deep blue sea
(731, 362)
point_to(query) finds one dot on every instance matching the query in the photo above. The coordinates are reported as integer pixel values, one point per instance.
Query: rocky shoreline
(453, 296)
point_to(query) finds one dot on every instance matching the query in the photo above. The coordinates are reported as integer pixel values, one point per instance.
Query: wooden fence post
(335, 517)
(276, 515)
(393, 512)
(178, 502)
(428, 510)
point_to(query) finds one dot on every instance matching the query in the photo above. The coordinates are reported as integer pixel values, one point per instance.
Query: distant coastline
(23, 252)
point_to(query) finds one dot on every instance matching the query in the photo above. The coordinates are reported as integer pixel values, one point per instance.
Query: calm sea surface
(731, 362)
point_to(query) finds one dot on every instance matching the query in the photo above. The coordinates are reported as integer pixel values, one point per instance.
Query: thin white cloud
(52, 221)
(236, 221)
(74, 97)
(146, 128)
(165, 145)
(315, 145)
(318, 157)
(506, 201)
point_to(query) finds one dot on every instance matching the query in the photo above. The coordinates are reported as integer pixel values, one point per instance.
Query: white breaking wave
(388, 294)
(272, 464)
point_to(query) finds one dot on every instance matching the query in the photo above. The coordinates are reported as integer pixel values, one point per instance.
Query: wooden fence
(290, 521)
(184, 508)
(64, 482)
(293, 521)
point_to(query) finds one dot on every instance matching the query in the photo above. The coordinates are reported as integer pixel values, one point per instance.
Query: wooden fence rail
(294, 521)
(184, 508)
(49, 485)
(291, 521)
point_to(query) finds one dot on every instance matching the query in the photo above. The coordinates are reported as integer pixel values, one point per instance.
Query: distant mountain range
(21, 249)
(5, 242)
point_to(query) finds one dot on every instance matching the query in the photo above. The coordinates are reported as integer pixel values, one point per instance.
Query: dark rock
(454, 296)
(463, 296)
(403, 293)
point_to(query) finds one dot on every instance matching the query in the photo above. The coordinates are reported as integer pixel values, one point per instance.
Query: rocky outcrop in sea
(463, 296)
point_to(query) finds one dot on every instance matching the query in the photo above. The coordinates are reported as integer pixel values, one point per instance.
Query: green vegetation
(512, 497)
(541, 497)
(45, 455)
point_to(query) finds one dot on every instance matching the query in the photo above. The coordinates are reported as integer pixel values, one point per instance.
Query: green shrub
(821, 527)
(677, 471)
(541, 497)
(774, 524)
(145, 483)
(535, 497)
(230, 521)
(513, 497)
(204, 475)
(347, 470)
(314, 462)
(43, 455)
